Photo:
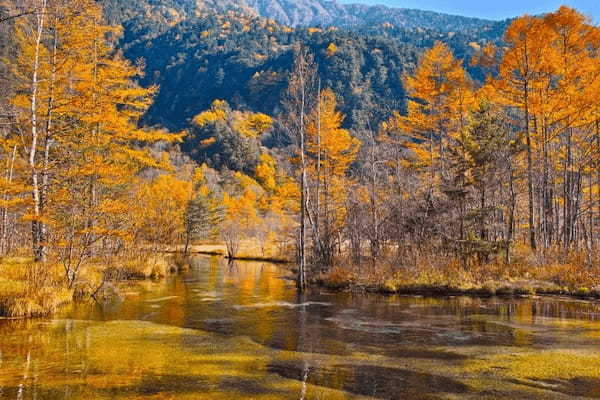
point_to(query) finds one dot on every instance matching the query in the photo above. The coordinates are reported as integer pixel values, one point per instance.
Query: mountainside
(247, 61)
(302, 13)
(240, 51)
(330, 12)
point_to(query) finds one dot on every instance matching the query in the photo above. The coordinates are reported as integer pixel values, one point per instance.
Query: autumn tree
(300, 99)
(203, 212)
(241, 217)
(162, 205)
(519, 74)
(568, 114)
(223, 137)
(13, 195)
(330, 149)
(548, 75)
(31, 70)
(77, 109)
(485, 158)
(441, 94)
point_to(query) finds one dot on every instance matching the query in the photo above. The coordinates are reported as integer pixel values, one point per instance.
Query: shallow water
(229, 331)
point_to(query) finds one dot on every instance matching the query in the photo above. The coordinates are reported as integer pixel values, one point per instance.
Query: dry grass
(340, 277)
(28, 289)
(144, 266)
(551, 273)
(250, 249)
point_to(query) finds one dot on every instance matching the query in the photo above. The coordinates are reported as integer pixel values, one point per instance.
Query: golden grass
(139, 268)
(250, 249)
(339, 277)
(143, 266)
(552, 273)
(28, 289)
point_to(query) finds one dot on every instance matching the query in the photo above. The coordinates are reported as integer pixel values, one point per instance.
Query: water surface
(229, 331)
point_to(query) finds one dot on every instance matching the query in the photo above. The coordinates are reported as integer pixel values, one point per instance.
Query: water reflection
(240, 330)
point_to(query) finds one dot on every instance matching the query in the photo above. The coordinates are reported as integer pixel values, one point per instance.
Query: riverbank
(249, 251)
(444, 279)
(29, 289)
(224, 332)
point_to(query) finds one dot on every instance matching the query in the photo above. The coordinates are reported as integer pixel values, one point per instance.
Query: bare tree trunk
(568, 189)
(9, 178)
(374, 219)
(317, 225)
(39, 250)
(43, 230)
(302, 272)
(597, 165)
(298, 103)
(187, 243)
(532, 239)
(590, 240)
(511, 213)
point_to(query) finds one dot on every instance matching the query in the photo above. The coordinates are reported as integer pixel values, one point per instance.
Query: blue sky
(491, 9)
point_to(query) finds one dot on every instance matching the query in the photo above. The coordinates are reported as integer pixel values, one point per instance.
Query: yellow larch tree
(574, 72)
(548, 74)
(252, 125)
(241, 213)
(78, 108)
(330, 149)
(102, 148)
(440, 94)
(515, 87)
(161, 205)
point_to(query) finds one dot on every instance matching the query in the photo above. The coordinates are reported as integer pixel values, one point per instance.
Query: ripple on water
(284, 304)
(161, 299)
(376, 326)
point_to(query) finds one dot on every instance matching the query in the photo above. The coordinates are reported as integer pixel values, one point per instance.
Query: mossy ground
(540, 365)
(134, 360)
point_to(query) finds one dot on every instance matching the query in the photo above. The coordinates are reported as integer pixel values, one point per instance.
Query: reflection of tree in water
(232, 266)
(302, 342)
(372, 380)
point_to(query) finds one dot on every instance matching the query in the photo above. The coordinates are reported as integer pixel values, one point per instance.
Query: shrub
(338, 278)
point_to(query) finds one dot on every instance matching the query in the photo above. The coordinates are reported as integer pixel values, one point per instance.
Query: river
(240, 331)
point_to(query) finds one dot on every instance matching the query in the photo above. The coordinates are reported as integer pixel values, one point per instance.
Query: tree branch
(15, 16)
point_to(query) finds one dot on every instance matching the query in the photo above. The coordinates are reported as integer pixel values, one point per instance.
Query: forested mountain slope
(247, 61)
(221, 49)
(328, 12)
(306, 13)
(197, 51)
